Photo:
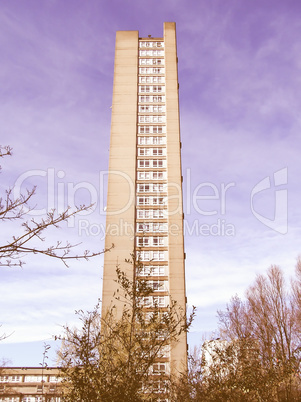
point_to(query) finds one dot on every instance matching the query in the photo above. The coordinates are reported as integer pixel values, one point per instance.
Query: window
(144, 119)
(144, 270)
(151, 44)
(158, 176)
(157, 151)
(158, 99)
(11, 378)
(153, 256)
(158, 213)
(145, 79)
(150, 108)
(159, 227)
(152, 214)
(147, 301)
(147, 188)
(151, 227)
(151, 98)
(143, 227)
(158, 286)
(151, 270)
(143, 213)
(144, 53)
(144, 200)
(158, 201)
(157, 119)
(159, 270)
(151, 88)
(143, 163)
(33, 378)
(140, 213)
(15, 378)
(158, 255)
(145, 70)
(144, 98)
(158, 62)
(158, 70)
(158, 188)
(157, 88)
(144, 62)
(158, 140)
(158, 388)
(157, 163)
(143, 175)
(145, 44)
(144, 109)
(157, 53)
(158, 241)
(144, 88)
(157, 129)
(157, 79)
(165, 351)
(159, 301)
(142, 140)
(143, 241)
(144, 255)
(143, 129)
(144, 188)
(151, 141)
(144, 151)
(150, 241)
(151, 200)
(158, 109)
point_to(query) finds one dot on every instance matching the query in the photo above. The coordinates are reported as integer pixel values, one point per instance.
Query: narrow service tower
(144, 202)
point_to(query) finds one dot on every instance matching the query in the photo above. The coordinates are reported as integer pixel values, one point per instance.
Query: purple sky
(239, 74)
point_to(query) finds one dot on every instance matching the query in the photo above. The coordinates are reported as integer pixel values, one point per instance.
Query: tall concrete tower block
(144, 201)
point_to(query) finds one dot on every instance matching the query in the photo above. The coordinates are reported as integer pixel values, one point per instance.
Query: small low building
(30, 384)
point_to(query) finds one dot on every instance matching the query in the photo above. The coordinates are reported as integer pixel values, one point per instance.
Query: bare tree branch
(12, 253)
(114, 358)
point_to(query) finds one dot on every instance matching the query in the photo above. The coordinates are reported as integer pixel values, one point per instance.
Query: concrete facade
(30, 384)
(144, 201)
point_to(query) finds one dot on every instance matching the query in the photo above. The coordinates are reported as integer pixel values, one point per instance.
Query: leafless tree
(296, 285)
(31, 239)
(257, 354)
(116, 358)
(267, 319)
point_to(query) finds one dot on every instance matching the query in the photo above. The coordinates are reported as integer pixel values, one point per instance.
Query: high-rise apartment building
(144, 201)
